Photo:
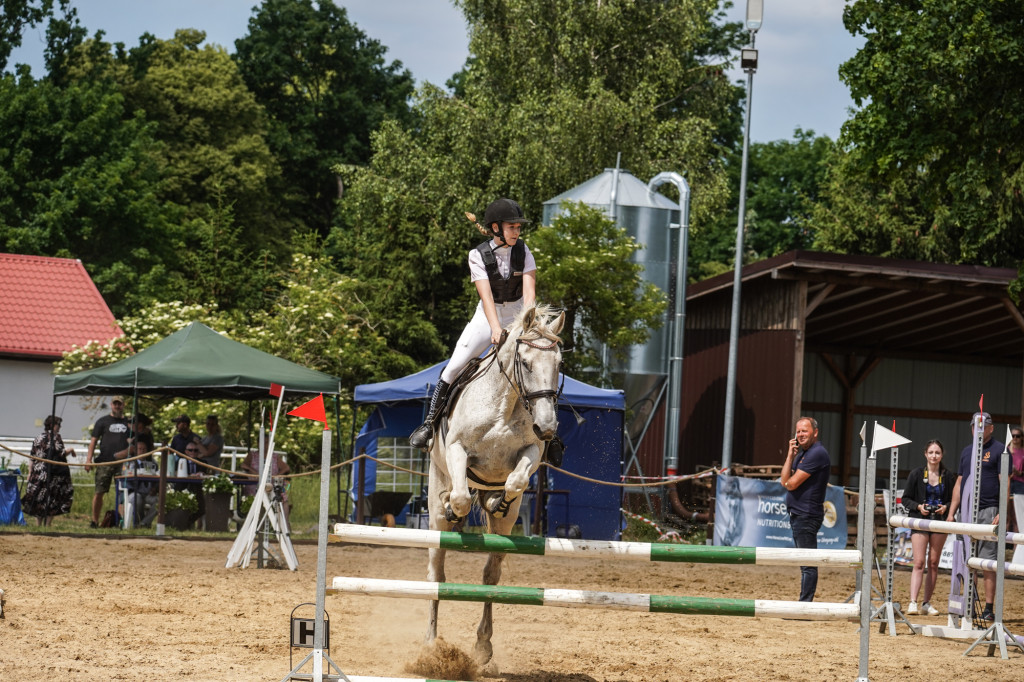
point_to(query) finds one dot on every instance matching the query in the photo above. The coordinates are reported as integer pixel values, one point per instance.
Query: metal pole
(734, 327)
(866, 530)
(679, 321)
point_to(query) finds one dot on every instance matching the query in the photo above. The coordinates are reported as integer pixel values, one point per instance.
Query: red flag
(276, 389)
(981, 401)
(312, 410)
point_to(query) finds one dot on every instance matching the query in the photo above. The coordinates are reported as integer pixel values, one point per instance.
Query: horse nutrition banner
(751, 512)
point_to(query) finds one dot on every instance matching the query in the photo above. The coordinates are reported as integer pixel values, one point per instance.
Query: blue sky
(801, 45)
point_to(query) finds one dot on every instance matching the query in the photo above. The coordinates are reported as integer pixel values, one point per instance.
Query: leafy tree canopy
(784, 181)
(78, 179)
(326, 86)
(15, 17)
(934, 162)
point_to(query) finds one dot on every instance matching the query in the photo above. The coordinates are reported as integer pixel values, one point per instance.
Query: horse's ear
(556, 328)
(529, 317)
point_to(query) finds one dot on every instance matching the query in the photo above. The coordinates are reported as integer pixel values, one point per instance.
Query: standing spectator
(1016, 450)
(805, 476)
(212, 444)
(987, 503)
(111, 432)
(926, 495)
(49, 490)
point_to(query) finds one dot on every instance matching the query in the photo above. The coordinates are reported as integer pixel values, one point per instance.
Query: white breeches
(477, 336)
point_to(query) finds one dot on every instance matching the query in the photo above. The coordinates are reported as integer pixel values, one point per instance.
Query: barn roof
(895, 307)
(48, 305)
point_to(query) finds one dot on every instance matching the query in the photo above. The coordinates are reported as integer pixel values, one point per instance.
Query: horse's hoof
(482, 652)
(499, 506)
(450, 516)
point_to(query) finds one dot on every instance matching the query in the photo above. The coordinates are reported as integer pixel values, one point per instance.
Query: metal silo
(646, 217)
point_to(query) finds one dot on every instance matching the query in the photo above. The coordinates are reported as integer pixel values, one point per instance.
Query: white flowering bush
(181, 499)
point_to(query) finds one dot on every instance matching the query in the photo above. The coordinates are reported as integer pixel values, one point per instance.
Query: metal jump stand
(865, 540)
(888, 612)
(996, 633)
(319, 655)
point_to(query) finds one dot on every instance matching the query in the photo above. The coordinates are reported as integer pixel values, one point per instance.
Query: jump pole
(539, 596)
(990, 565)
(608, 549)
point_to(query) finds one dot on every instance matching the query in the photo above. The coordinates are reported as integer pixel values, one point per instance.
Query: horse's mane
(545, 314)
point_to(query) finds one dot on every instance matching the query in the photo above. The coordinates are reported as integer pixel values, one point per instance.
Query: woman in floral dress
(49, 490)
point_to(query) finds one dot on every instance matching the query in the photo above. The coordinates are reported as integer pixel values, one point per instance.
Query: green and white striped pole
(637, 551)
(537, 596)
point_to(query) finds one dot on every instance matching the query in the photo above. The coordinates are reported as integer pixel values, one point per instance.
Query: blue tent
(592, 449)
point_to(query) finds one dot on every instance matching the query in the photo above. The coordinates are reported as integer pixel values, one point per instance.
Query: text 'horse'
(494, 442)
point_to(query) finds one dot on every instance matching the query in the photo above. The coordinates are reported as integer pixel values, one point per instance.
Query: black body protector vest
(505, 289)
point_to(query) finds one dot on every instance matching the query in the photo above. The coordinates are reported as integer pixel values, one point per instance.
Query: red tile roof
(48, 305)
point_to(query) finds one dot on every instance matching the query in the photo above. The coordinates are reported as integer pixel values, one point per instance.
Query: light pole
(748, 61)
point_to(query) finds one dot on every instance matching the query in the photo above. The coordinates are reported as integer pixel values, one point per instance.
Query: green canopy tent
(198, 363)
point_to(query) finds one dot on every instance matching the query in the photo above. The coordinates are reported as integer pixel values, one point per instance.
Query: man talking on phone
(805, 477)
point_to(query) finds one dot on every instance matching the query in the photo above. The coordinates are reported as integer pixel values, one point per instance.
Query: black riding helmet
(503, 211)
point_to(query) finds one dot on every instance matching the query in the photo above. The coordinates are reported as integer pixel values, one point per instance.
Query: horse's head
(536, 361)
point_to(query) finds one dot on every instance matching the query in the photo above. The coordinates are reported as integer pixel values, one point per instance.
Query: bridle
(517, 372)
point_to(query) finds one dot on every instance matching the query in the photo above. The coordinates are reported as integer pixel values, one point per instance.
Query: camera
(932, 508)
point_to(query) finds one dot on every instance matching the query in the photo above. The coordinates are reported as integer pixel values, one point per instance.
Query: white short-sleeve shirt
(503, 256)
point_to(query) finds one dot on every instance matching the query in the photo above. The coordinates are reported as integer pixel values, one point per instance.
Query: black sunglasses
(1017, 435)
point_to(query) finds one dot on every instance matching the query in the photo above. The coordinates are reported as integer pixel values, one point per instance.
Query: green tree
(784, 184)
(935, 147)
(216, 166)
(78, 179)
(552, 92)
(588, 271)
(15, 17)
(326, 86)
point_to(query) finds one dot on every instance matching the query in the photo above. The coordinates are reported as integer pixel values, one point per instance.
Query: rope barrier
(165, 448)
(672, 535)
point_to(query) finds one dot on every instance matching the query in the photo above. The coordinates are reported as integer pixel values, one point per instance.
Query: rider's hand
(496, 335)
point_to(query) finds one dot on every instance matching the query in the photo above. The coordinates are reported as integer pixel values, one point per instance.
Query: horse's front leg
(460, 499)
(517, 481)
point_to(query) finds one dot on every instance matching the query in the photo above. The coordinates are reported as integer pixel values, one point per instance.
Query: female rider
(505, 275)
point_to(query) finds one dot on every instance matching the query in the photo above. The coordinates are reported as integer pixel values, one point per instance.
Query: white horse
(494, 442)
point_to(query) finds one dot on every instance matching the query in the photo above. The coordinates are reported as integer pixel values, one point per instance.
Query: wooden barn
(846, 339)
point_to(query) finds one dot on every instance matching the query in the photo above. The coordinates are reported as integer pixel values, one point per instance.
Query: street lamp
(748, 61)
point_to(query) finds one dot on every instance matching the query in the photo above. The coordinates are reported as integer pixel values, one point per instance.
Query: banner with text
(751, 512)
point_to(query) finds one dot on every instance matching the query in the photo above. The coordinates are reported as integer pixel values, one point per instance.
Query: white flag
(884, 438)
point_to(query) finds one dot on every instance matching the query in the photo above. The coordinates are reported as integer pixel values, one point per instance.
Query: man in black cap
(987, 503)
(505, 275)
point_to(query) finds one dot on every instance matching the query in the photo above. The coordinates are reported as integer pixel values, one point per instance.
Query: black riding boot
(420, 437)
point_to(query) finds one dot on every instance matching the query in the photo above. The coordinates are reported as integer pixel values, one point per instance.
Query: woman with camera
(926, 495)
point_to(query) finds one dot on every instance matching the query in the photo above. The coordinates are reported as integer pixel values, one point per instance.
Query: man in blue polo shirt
(805, 476)
(987, 503)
